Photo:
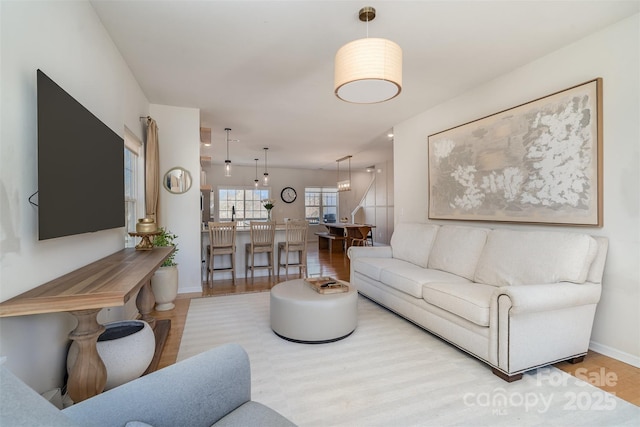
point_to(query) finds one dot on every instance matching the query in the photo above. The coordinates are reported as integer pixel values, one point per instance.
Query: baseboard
(614, 353)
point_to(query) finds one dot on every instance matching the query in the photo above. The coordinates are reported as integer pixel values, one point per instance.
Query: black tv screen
(80, 167)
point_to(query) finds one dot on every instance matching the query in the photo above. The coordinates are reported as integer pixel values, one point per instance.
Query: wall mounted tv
(80, 167)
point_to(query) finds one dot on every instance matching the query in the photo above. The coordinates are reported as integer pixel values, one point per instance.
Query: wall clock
(288, 195)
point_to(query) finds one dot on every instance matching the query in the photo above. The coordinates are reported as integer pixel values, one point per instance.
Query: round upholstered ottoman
(300, 314)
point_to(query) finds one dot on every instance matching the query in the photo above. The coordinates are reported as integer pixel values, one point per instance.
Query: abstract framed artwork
(539, 162)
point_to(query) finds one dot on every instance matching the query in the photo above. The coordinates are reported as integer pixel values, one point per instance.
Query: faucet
(233, 213)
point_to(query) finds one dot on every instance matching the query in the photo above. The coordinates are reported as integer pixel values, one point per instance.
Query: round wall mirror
(177, 180)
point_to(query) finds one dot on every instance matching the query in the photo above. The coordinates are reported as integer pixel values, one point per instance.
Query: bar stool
(262, 238)
(295, 241)
(222, 241)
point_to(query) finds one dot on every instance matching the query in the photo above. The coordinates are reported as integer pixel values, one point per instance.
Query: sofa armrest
(547, 297)
(20, 405)
(195, 392)
(534, 325)
(369, 252)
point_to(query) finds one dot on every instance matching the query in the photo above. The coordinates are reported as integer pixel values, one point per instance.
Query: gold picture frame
(539, 162)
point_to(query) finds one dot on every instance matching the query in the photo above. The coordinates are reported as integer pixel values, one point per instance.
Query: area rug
(389, 372)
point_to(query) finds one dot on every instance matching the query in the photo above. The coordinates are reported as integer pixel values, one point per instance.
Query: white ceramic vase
(164, 284)
(126, 349)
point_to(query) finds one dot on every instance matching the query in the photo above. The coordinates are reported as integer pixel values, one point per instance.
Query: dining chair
(351, 235)
(360, 235)
(295, 241)
(370, 235)
(222, 241)
(262, 235)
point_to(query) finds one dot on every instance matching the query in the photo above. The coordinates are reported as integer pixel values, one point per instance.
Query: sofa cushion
(457, 249)
(409, 278)
(467, 300)
(535, 257)
(412, 242)
(372, 267)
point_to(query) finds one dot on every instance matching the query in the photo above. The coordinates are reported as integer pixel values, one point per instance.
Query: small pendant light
(265, 179)
(256, 181)
(227, 162)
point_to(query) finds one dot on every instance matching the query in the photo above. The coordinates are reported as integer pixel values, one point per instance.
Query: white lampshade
(368, 71)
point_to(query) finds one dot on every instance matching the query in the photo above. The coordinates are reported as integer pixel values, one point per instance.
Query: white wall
(67, 41)
(179, 145)
(377, 207)
(612, 54)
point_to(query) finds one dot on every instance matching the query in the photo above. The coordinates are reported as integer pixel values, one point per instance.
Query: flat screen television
(80, 167)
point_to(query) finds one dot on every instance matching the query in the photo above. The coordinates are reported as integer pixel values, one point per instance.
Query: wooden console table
(108, 282)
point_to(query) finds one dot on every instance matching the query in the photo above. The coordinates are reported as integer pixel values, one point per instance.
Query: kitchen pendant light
(265, 179)
(227, 162)
(256, 181)
(369, 70)
(345, 184)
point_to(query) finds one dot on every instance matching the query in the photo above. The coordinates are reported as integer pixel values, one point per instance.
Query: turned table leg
(88, 375)
(145, 302)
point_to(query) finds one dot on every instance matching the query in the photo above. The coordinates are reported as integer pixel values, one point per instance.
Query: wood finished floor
(604, 372)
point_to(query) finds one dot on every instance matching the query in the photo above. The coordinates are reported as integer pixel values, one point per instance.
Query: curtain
(152, 174)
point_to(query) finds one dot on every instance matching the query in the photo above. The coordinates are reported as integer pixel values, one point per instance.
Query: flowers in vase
(268, 204)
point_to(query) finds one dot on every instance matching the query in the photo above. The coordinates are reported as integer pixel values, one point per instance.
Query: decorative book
(326, 285)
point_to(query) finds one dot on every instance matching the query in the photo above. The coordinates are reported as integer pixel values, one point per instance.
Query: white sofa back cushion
(457, 249)
(412, 242)
(535, 257)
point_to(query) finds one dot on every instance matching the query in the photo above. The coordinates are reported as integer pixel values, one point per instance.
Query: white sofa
(516, 300)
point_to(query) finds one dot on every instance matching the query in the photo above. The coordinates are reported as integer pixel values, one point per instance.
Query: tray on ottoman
(326, 285)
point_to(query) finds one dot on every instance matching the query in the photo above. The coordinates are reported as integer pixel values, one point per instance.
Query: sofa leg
(506, 377)
(575, 360)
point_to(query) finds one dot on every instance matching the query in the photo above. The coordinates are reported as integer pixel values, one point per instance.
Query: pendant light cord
(367, 25)
(265, 160)
(227, 142)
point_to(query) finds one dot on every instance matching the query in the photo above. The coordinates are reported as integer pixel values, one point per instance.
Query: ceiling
(265, 68)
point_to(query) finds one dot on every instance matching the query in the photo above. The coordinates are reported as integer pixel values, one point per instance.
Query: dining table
(338, 232)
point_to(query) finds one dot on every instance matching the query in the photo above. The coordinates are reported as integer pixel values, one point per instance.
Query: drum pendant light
(369, 70)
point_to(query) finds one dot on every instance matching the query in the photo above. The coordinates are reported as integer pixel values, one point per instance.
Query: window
(246, 202)
(132, 166)
(320, 204)
(129, 193)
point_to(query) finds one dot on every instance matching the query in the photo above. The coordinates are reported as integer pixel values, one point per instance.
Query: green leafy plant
(166, 238)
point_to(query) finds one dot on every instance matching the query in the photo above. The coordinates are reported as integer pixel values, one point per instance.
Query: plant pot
(164, 284)
(126, 349)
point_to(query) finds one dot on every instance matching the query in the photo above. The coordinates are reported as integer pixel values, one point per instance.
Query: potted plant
(164, 282)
